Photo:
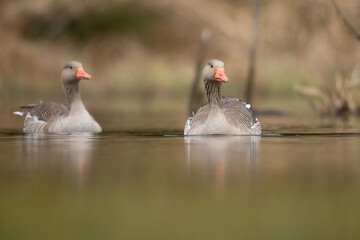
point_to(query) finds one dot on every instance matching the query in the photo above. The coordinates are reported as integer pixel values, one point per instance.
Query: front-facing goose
(50, 117)
(221, 115)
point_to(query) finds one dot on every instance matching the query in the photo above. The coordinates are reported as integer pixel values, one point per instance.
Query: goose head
(214, 71)
(73, 72)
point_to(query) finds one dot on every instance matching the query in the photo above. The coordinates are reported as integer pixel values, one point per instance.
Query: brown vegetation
(147, 50)
(337, 98)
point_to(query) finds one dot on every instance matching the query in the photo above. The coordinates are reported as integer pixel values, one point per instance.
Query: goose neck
(72, 92)
(213, 93)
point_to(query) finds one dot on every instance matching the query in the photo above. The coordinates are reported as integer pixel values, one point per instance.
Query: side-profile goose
(50, 117)
(221, 115)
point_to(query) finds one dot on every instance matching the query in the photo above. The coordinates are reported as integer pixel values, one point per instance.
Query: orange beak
(220, 75)
(81, 74)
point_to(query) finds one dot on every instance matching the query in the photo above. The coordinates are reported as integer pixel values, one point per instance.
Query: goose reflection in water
(69, 154)
(221, 157)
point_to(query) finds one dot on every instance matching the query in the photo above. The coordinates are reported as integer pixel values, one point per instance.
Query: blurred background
(142, 56)
(131, 182)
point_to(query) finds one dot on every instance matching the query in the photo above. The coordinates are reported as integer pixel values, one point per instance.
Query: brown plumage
(221, 115)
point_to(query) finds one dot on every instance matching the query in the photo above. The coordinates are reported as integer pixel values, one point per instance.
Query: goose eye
(211, 66)
(70, 67)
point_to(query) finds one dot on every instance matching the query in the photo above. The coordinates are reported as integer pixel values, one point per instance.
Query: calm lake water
(301, 180)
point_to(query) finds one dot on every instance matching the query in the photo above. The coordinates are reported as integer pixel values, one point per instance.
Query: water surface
(303, 182)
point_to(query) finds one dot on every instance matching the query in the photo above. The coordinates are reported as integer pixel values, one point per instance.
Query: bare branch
(197, 95)
(253, 51)
(346, 19)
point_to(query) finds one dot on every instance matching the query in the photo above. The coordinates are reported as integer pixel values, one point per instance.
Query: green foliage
(127, 19)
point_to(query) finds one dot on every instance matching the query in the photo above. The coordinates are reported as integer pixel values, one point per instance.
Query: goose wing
(238, 113)
(198, 119)
(46, 111)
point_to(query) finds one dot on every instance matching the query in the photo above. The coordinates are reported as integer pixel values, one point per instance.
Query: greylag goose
(50, 117)
(221, 115)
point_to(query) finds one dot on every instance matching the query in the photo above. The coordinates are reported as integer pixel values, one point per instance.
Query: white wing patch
(187, 126)
(33, 118)
(248, 106)
(257, 124)
(21, 114)
(32, 124)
